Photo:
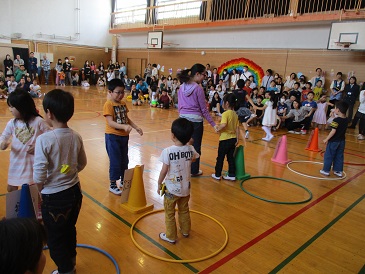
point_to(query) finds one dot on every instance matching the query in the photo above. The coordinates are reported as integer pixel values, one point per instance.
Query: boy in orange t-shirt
(117, 129)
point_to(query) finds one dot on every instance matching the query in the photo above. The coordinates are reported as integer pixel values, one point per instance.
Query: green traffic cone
(240, 164)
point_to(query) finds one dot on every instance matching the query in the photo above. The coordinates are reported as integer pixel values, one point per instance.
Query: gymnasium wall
(282, 61)
(283, 48)
(57, 21)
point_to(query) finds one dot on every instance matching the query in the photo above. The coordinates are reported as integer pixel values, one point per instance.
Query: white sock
(267, 130)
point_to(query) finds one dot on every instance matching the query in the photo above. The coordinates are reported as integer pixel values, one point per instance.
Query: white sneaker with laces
(229, 178)
(324, 172)
(247, 134)
(115, 190)
(215, 177)
(338, 173)
(163, 237)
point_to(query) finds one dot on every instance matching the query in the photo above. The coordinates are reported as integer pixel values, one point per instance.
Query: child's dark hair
(24, 103)
(231, 99)
(21, 245)
(342, 106)
(309, 83)
(260, 97)
(240, 83)
(187, 74)
(182, 129)
(311, 92)
(60, 103)
(274, 99)
(113, 84)
(319, 80)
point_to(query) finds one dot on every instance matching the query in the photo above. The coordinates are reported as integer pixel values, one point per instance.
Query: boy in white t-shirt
(176, 162)
(35, 89)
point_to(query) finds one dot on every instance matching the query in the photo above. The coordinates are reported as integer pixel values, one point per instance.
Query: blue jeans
(197, 137)
(334, 154)
(46, 76)
(60, 212)
(117, 149)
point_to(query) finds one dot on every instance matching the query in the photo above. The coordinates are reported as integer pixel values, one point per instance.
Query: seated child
(154, 96)
(135, 96)
(75, 79)
(281, 110)
(3, 90)
(215, 104)
(12, 84)
(165, 99)
(308, 88)
(35, 89)
(101, 81)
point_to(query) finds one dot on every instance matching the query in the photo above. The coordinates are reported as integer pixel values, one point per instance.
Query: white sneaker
(229, 178)
(115, 190)
(215, 177)
(303, 131)
(270, 138)
(291, 131)
(338, 173)
(360, 137)
(163, 237)
(247, 134)
(324, 172)
(265, 139)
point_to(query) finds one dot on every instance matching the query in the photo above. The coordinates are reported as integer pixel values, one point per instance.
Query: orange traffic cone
(312, 144)
(281, 153)
(137, 198)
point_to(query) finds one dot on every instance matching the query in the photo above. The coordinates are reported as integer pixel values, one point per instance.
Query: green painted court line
(3, 194)
(315, 237)
(140, 232)
(362, 270)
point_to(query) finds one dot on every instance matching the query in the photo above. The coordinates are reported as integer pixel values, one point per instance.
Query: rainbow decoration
(238, 64)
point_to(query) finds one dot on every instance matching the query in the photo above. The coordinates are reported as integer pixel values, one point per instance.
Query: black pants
(291, 125)
(226, 147)
(60, 212)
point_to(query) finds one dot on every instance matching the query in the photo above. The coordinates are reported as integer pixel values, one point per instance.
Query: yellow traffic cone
(137, 198)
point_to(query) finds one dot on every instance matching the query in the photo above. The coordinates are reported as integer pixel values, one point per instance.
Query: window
(178, 8)
(131, 11)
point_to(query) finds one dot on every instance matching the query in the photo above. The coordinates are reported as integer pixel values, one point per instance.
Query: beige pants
(170, 202)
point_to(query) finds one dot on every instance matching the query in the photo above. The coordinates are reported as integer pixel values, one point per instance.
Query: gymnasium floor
(323, 235)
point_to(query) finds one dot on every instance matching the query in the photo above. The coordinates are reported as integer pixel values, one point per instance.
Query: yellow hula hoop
(179, 261)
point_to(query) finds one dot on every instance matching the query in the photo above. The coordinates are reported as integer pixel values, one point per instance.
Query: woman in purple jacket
(192, 106)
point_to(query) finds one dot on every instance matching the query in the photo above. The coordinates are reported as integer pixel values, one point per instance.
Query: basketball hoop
(344, 45)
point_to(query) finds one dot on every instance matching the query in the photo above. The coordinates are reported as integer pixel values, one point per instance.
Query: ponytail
(187, 74)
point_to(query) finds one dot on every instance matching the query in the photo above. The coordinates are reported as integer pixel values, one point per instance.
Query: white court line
(100, 138)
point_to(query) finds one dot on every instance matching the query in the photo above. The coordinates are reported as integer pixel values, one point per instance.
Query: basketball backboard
(347, 35)
(155, 40)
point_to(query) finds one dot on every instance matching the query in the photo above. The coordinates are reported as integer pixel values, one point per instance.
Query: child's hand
(4, 145)
(30, 149)
(216, 128)
(325, 141)
(139, 130)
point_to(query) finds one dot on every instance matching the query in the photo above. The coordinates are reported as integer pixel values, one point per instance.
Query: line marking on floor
(315, 237)
(263, 235)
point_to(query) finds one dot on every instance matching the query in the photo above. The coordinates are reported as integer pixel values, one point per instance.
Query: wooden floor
(324, 235)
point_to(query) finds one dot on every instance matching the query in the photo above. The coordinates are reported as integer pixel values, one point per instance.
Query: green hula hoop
(274, 201)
